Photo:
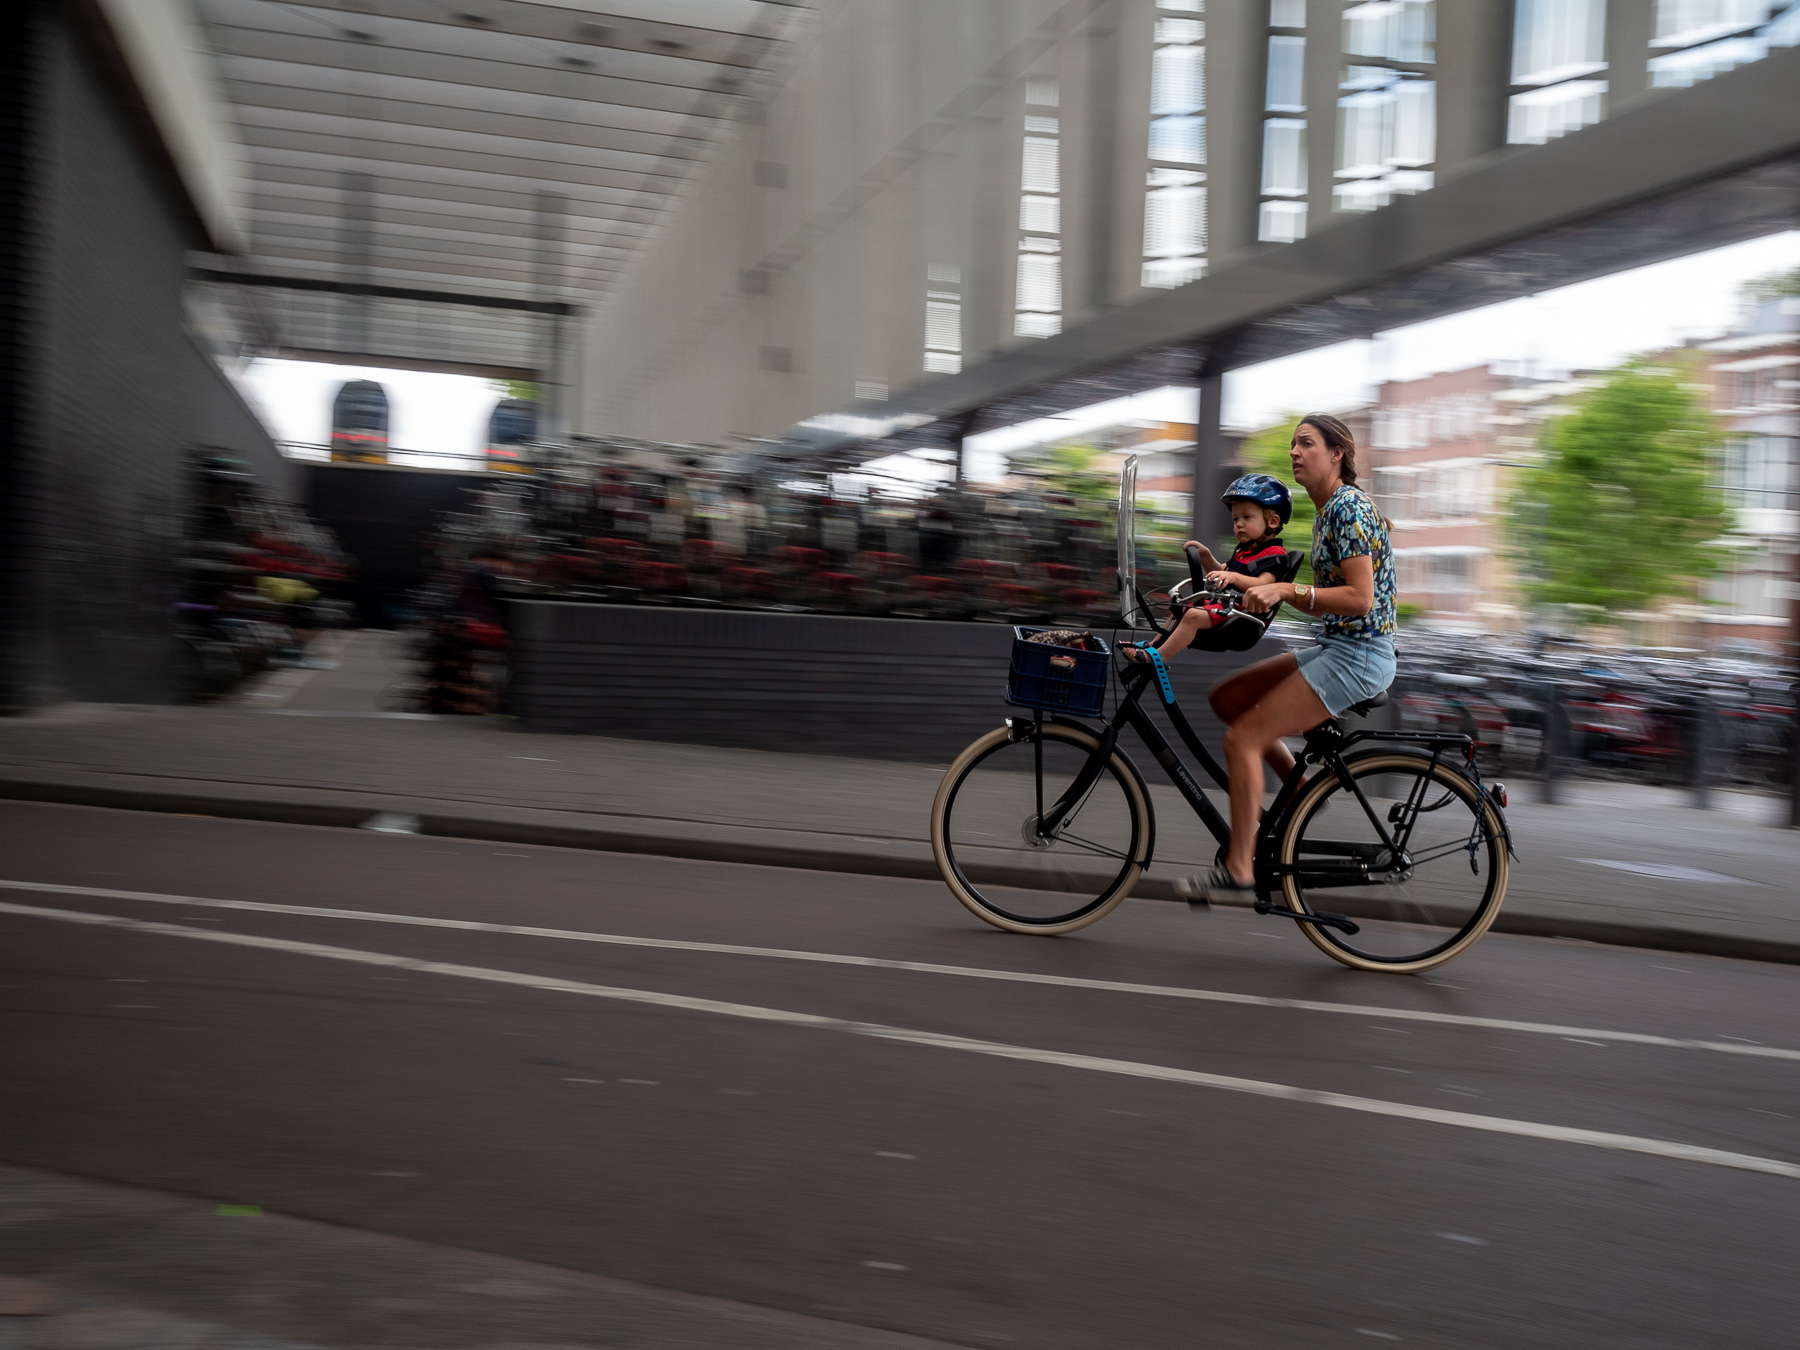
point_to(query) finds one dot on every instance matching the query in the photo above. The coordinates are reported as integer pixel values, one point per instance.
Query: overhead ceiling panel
(500, 149)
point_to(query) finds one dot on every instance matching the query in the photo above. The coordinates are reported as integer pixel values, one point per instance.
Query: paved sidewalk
(85, 1265)
(1613, 863)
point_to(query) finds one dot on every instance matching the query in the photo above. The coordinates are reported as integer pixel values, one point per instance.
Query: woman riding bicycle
(1287, 695)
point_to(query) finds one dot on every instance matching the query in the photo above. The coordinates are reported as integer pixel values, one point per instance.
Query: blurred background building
(857, 230)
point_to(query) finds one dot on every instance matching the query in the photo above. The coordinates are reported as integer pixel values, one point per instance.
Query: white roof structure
(513, 153)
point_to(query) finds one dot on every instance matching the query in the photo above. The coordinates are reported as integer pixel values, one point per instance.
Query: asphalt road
(982, 1161)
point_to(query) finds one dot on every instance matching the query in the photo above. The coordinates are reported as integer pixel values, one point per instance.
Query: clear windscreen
(1128, 540)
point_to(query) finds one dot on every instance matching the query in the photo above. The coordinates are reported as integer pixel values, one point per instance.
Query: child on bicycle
(1260, 507)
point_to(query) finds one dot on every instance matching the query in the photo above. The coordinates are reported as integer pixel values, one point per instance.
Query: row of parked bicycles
(256, 581)
(1675, 718)
(645, 524)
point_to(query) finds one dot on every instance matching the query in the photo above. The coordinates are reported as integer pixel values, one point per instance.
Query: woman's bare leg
(1235, 695)
(1288, 709)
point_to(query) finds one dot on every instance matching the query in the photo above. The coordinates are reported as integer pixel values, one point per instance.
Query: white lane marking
(1579, 1041)
(1624, 1143)
(883, 1265)
(1462, 1237)
(904, 1157)
(584, 1080)
(926, 968)
(641, 1082)
(1668, 872)
(1379, 1335)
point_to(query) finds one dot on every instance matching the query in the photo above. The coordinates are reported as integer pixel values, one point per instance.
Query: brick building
(1755, 392)
(1438, 445)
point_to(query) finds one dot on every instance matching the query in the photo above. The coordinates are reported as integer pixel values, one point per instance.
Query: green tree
(1773, 286)
(525, 389)
(1074, 471)
(1619, 511)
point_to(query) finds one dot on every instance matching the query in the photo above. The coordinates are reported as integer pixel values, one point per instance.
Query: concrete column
(1474, 68)
(1100, 135)
(1237, 55)
(1630, 24)
(1324, 63)
(1131, 148)
(1210, 519)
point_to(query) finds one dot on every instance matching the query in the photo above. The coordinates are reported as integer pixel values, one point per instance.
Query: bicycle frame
(1325, 745)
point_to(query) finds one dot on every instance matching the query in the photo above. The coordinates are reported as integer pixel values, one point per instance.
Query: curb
(338, 815)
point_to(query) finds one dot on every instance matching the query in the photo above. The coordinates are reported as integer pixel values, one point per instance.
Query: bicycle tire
(1006, 876)
(1401, 934)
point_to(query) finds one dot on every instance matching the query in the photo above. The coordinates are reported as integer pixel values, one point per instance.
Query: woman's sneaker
(1217, 886)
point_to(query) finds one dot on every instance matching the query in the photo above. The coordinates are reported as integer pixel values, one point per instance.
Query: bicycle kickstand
(1323, 918)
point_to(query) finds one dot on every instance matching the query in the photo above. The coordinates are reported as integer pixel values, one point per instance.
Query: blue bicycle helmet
(1264, 491)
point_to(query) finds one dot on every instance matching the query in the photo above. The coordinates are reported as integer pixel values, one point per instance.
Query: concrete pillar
(1101, 124)
(1210, 520)
(1236, 68)
(1630, 24)
(1474, 68)
(1324, 58)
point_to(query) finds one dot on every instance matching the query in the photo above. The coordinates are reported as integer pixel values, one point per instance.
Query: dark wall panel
(877, 688)
(383, 518)
(118, 393)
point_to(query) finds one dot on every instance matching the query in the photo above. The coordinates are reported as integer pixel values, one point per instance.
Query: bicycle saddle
(1369, 705)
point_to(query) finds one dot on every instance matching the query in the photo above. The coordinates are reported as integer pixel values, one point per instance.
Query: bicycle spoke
(1014, 876)
(1428, 909)
(1079, 842)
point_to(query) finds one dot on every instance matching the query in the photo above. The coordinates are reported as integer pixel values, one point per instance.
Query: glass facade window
(1387, 104)
(1037, 293)
(1178, 80)
(1174, 251)
(1393, 30)
(1762, 472)
(1558, 45)
(1284, 157)
(943, 319)
(1284, 91)
(1043, 214)
(1545, 114)
(1387, 140)
(1282, 222)
(1557, 40)
(1698, 39)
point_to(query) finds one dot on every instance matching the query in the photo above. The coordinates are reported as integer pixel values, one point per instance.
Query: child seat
(1242, 630)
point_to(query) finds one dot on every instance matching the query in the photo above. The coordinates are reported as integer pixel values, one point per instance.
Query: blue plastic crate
(1057, 679)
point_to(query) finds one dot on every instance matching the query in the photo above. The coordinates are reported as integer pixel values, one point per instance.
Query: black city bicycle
(1045, 824)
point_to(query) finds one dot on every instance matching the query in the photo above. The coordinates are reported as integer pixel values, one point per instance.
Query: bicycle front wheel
(991, 856)
(1419, 908)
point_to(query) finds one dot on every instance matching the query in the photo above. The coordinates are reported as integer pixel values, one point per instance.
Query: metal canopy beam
(556, 307)
(1703, 167)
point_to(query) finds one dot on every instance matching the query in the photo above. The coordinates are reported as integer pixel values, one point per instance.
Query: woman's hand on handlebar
(1261, 599)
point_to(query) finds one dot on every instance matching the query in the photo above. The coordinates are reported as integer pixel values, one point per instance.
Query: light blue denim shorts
(1343, 670)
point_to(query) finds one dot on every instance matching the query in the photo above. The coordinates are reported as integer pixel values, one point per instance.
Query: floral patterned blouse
(1349, 526)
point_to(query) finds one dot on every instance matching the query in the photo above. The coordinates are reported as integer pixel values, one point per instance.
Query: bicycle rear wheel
(1426, 907)
(983, 831)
